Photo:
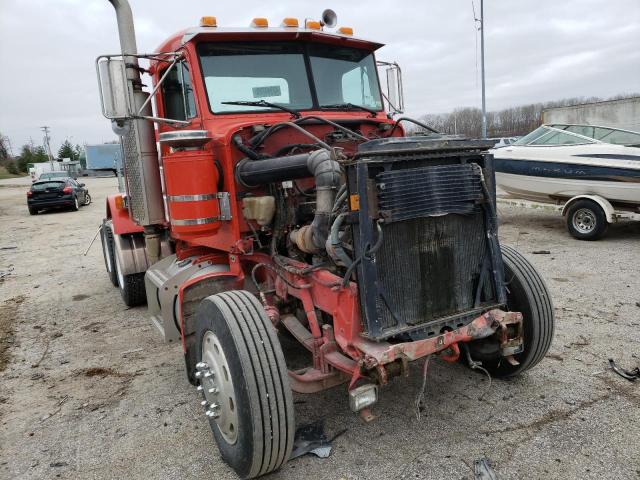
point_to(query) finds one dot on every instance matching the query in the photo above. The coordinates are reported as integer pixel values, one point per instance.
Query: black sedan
(58, 192)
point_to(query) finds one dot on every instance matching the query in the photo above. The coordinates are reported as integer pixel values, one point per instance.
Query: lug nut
(213, 390)
(201, 365)
(204, 403)
(208, 374)
(199, 388)
(198, 374)
(212, 414)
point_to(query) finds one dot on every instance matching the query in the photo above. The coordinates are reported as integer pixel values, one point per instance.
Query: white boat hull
(547, 189)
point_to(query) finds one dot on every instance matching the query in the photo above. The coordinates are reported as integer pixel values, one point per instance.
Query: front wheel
(527, 293)
(131, 286)
(87, 199)
(586, 220)
(244, 379)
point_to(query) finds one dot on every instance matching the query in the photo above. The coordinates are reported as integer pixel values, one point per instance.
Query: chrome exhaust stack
(141, 165)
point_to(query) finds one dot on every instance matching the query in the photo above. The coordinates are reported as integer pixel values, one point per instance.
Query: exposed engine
(409, 219)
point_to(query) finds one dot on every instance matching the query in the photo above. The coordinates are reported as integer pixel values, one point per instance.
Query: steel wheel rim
(217, 387)
(584, 220)
(87, 199)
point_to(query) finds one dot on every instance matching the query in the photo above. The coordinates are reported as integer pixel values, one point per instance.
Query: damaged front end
(421, 231)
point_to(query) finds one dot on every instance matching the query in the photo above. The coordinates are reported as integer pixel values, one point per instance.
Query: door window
(177, 93)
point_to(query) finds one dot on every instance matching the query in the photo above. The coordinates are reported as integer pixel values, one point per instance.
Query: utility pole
(47, 145)
(484, 106)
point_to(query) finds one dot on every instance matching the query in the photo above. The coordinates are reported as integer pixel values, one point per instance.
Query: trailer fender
(607, 208)
(119, 215)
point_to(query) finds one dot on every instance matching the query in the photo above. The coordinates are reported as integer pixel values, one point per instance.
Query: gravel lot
(90, 391)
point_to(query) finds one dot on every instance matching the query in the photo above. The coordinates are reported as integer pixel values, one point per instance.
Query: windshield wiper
(263, 103)
(349, 106)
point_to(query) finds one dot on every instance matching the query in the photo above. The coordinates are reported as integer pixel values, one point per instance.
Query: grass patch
(4, 174)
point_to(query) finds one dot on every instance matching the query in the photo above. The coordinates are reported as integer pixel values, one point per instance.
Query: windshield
(615, 136)
(39, 186)
(550, 135)
(54, 175)
(278, 73)
(538, 132)
(344, 75)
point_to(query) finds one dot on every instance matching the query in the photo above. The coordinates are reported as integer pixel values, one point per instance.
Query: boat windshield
(615, 136)
(564, 134)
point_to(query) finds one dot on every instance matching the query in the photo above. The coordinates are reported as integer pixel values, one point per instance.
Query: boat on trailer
(593, 170)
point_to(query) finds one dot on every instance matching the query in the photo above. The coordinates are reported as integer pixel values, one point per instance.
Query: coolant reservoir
(261, 209)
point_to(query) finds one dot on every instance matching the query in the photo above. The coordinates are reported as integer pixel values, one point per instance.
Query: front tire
(87, 199)
(131, 286)
(586, 220)
(240, 358)
(526, 293)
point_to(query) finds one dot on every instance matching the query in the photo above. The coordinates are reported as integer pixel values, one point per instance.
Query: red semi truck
(270, 192)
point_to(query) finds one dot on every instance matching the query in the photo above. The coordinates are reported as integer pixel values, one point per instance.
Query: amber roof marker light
(290, 22)
(259, 22)
(208, 22)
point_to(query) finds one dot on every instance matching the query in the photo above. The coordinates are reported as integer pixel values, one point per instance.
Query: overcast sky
(536, 50)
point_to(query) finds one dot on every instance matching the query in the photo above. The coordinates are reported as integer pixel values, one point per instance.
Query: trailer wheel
(586, 220)
(131, 286)
(244, 379)
(106, 236)
(526, 293)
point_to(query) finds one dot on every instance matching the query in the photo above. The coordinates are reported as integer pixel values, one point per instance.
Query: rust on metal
(311, 380)
(451, 354)
(510, 336)
(483, 326)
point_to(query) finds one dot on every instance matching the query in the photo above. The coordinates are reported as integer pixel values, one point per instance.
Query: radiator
(422, 237)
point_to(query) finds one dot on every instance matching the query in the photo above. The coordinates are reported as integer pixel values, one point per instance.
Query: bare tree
(509, 122)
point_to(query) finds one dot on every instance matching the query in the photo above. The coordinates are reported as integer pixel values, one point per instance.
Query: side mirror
(395, 95)
(112, 83)
(81, 184)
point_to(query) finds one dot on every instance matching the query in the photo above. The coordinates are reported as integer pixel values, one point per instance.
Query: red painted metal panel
(122, 223)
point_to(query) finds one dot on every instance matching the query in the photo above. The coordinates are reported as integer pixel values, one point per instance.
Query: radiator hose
(319, 164)
(326, 171)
